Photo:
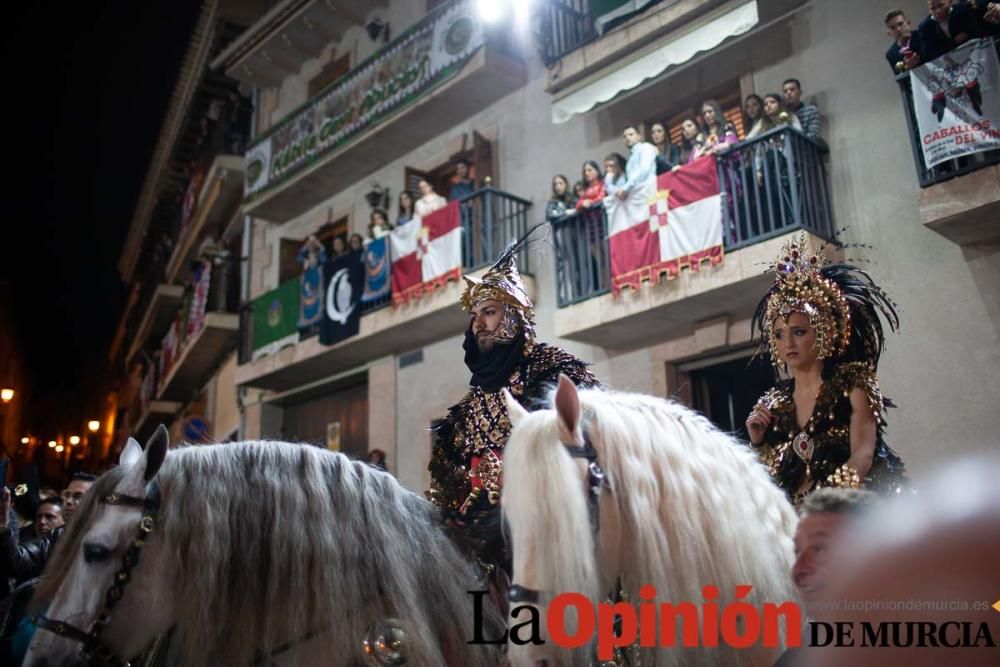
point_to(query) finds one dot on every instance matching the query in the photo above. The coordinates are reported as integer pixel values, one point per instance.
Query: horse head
(609, 493)
(102, 594)
(564, 526)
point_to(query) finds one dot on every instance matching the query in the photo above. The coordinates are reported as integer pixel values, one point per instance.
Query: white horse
(611, 487)
(257, 553)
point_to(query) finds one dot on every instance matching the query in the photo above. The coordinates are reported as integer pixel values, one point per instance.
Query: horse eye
(95, 553)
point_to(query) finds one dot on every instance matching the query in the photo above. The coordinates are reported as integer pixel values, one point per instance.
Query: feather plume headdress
(842, 302)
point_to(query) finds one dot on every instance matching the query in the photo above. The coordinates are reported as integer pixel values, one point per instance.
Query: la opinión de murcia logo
(738, 624)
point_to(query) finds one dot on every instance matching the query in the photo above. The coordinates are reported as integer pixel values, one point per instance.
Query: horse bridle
(596, 481)
(93, 647)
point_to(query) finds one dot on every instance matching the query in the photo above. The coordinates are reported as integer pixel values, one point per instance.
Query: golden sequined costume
(843, 305)
(467, 457)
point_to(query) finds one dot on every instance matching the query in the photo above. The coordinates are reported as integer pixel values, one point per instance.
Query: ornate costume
(843, 305)
(467, 460)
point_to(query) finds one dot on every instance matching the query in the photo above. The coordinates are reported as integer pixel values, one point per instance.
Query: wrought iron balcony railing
(490, 219)
(928, 176)
(772, 184)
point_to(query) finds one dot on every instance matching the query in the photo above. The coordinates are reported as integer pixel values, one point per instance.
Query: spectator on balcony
(378, 224)
(753, 110)
(405, 213)
(356, 242)
(948, 26)
(988, 14)
(717, 134)
(462, 186)
(807, 114)
(905, 42)
(664, 149)
(776, 114)
(640, 167)
(561, 202)
(686, 152)
(339, 247)
(614, 173)
(593, 191)
(429, 201)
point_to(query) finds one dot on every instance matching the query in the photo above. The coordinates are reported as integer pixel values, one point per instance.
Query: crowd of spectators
(948, 25)
(701, 134)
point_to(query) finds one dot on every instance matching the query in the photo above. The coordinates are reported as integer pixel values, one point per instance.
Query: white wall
(942, 368)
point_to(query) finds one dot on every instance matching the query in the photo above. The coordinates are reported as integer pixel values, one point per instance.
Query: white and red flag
(426, 253)
(669, 225)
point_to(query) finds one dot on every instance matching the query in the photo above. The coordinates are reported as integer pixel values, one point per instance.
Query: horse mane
(273, 541)
(694, 504)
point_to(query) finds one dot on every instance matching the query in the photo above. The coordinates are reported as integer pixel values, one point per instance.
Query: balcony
(162, 301)
(490, 218)
(960, 198)
(759, 214)
(359, 124)
(154, 414)
(292, 32)
(200, 356)
(214, 204)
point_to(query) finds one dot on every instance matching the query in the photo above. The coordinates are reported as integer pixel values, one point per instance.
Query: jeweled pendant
(803, 446)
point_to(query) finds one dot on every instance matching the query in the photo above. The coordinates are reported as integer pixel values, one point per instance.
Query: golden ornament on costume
(503, 283)
(801, 288)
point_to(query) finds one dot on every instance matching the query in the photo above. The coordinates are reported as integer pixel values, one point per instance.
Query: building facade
(354, 102)
(175, 348)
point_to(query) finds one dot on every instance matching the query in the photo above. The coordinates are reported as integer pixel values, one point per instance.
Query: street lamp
(74, 440)
(93, 425)
(25, 440)
(6, 394)
(59, 449)
(52, 443)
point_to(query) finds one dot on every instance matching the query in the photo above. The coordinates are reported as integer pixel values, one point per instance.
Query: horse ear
(156, 451)
(131, 454)
(514, 410)
(568, 410)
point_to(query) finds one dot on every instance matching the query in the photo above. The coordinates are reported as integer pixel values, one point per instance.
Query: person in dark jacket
(905, 41)
(949, 26)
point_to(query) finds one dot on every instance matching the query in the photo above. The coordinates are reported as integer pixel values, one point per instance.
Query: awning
(730, 20)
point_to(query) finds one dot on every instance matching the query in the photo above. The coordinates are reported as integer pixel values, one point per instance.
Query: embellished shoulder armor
(801, 460)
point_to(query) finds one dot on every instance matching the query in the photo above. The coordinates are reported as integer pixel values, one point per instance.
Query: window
(331, 230)
(728, 97)
(726, 389)
(333, 70)
(288, 259)
(479, 156)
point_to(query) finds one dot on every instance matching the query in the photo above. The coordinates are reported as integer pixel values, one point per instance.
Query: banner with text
(956, 99)
(424, 56)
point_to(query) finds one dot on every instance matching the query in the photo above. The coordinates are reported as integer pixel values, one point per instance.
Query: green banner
(276, 314)
(417, 61)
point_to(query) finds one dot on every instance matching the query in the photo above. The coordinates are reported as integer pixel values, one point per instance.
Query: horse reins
(596, 481)
(91, 640)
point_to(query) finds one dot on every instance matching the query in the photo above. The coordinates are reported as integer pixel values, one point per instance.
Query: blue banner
(377, 264)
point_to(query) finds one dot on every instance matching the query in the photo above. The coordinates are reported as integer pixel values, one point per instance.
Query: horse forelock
(694, 505)
(545, 502)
